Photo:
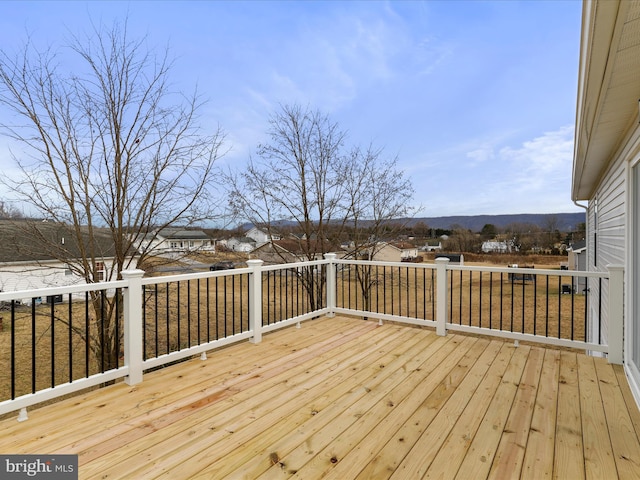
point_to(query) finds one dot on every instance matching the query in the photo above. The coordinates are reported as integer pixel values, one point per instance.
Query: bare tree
(109, 149)
(379, 198)
(9, 211)
(308, 176)
(298, 177)
(462, 240)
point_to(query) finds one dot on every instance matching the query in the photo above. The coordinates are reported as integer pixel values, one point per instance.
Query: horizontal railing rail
(541, 305)
(186, 315)
(54, 341)
(59, 340)
(550, 306)
(399, 291)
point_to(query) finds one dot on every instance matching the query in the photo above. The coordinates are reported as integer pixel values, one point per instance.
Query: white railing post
(133, 325)
(331, 283)
(441, 295)
(616, 313)
(255, 299)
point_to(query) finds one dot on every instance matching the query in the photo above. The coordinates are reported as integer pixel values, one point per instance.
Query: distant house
(432, 246)
(172, 241)
(27, 259)
(241, 244)
(290, 250)
(499, 246)
(260, 236)
(395, 252)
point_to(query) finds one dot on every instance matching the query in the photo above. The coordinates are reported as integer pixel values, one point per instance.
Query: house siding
(34, 275)
(606, 238)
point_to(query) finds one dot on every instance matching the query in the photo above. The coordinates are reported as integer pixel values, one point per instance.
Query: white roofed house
(241, 244)
(432, 246)
(261, 237)
(499, 246)
(175, 241)
(606, 163)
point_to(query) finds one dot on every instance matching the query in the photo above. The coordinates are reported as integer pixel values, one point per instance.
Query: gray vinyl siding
(607, 237)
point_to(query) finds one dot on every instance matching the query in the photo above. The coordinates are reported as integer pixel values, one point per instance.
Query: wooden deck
(347, 399)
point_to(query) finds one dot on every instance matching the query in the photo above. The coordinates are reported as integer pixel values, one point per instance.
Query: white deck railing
(442, 296)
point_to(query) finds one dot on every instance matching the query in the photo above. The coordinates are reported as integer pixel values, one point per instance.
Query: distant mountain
(565, 221)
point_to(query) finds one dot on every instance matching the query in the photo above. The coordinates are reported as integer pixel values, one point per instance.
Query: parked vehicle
(226, 265)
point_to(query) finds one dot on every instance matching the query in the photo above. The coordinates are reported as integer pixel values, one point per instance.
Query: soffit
(608, 89)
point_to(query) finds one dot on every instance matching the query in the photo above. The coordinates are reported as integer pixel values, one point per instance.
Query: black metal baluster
(87, 327)
(102, 344)
(559, 306)
(524, 276)
(546, 327)
(156, 334)
(393, 292)
(168, 316)
(33, 345)
(600, 311)
(13, 349)
(268, 298)
(572, 309)
(188, 313)
(225, 305)
(217, 295)
(513, 276)
(70, 320)
(384, 289)
(491, 300)
(535, 304)
(198, 311)
(470, 296)
(208, 287)
(233, 304)
(501, 298)
(117, 340)
(52, 315)
(480, 301)
(144, 321)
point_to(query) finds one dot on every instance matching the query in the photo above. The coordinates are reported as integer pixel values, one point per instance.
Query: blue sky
(477, 99)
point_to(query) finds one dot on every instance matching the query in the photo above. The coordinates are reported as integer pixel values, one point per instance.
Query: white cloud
(534, 176)
(481, 154)
(545, 160)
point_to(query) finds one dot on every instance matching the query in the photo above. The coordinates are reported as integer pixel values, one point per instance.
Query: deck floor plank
(629, 400)
(598, 453)
(442, 459)
(147, 422)
(158, 391)
(433, 390)
(569, 456)
(509, 457)
(342, 398)
(542, 434)
(260, 453)
(258, 444)
(314, 450)
(622, 433)
(217, 424)
(479, 458)
(373, 460)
